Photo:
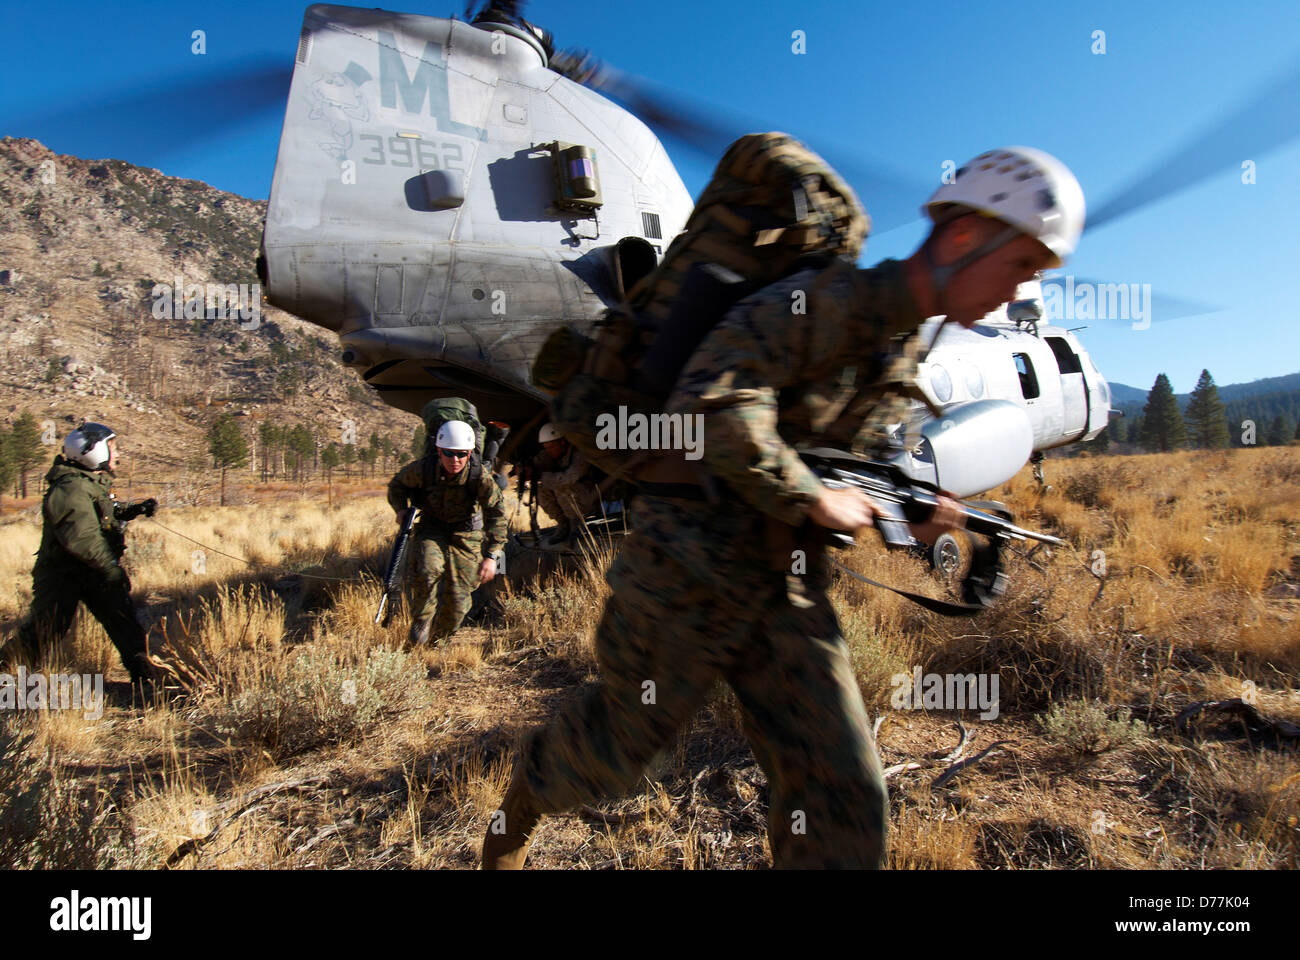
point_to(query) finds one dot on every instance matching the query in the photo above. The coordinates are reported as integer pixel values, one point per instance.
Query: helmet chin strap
(942, 274)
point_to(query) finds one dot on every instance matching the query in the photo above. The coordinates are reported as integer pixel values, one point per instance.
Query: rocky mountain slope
(88, 251)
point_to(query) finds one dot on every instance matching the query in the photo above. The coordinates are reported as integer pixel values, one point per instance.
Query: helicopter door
(1074, 392)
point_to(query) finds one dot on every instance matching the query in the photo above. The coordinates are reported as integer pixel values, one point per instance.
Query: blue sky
(900, 86)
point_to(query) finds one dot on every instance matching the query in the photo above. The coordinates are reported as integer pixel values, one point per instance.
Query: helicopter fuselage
(419, 206)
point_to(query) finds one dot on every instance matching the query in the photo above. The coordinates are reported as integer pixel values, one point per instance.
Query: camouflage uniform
(461, 522)
(82, 541)
(565, 491)
(703, 590)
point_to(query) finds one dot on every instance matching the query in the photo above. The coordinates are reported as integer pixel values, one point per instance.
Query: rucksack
(438, 412)
(772, 208)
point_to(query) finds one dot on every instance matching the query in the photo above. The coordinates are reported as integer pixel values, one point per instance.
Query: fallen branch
(611, 819)
(234, 810)
(324, 832)
(1280, 728)
(935, 759)
(957, 768)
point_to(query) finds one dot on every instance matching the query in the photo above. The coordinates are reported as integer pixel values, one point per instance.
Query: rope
(933, 604)
(310, 576)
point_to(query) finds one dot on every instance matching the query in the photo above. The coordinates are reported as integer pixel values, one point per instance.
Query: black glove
(145, 507)
(115, 577)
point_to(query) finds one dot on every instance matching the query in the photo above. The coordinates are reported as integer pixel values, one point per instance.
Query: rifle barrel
(886, 483)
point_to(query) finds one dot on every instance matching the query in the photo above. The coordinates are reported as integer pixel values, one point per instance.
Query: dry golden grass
(369, 756)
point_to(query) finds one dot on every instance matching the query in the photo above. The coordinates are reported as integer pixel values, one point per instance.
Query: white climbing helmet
(456, 435)
(548, 433)
(1026, 188)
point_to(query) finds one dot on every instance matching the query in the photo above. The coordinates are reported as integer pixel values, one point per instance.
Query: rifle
(393, 575)
(534, 483)
(899, 500)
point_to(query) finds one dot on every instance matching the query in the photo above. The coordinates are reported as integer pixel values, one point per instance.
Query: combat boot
(561, 534)
(419, 635)
(506, 845)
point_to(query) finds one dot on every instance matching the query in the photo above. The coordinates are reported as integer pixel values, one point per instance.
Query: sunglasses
(454, 454)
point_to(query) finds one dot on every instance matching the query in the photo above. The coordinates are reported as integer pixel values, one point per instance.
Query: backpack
(772, 208)
(438, 412)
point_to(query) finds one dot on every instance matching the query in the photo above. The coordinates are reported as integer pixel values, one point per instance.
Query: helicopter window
(974, 381)
(1028, 379)
(940, 383)
(650, 225)
(1066, 358)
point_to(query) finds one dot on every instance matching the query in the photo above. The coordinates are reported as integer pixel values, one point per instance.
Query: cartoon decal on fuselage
(339, 101)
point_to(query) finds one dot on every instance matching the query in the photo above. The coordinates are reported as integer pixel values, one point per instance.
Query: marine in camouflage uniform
(565, 489)
(82, 542)
(702, 590)
(462, 523)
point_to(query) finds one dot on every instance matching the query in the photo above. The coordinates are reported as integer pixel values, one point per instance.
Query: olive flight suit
(82, 542)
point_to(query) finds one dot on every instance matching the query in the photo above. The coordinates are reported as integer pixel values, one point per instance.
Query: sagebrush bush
(45, 822)
(317, 697)
(1085, 727)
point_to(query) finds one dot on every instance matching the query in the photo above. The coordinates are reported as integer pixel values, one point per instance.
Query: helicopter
(447, 192)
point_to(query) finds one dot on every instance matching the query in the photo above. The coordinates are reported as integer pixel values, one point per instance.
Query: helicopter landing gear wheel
(949, 555)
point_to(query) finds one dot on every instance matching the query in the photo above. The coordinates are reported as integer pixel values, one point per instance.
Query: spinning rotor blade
(892, 199)
(1266, 120)
(1162, 307)
(187, 109)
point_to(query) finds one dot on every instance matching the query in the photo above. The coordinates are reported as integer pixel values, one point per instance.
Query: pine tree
(1101, 442)
(368, 456)
(271, 437)
(329, 459)
(228, 447)
(302, 445)
(1162, 425)
(417, 442)
(1207, 426)
(8, 469)
(25, 449)
(1278, 432)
